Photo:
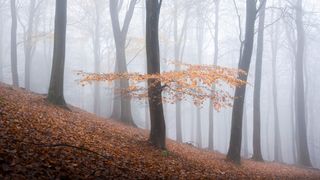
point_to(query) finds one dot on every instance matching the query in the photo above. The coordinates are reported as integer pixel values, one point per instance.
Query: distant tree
(257, 155)
(244, 64)
(302, 141)
(215, 62)
(29, 38)
(179, 42)
(55, 94)
(200, 38)
(121, 106)
(96, 38)
(274, 57)
(14, 63)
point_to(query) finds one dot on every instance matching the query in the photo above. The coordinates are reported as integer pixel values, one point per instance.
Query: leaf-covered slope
(39, 140)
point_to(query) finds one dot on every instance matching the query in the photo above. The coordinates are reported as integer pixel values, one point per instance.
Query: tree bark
(158, 128)
(55, 94)
(28, 44)
(97, 57)
(215, 62)
(200, 35)
(121, 105)
(302, 141)
(14, 63)
(274, 54)
(244, 64)
(257, 155)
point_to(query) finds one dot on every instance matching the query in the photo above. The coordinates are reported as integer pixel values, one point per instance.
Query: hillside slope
(39, 140)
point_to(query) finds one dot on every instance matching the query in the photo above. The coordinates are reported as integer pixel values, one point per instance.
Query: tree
(215, 62)
(192, 82)
(274, 55)
(179, 42)
(14, 63)
(158, 127)
(257, 155)
(29, 41)
(244, 64)
(97, 53)
(55, 94)
(200, 37)
(121, 106)
(302, 141)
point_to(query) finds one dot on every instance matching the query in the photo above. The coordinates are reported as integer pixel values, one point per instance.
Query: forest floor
(42, 141)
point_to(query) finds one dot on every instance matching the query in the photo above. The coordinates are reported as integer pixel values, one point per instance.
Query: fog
(90, 47)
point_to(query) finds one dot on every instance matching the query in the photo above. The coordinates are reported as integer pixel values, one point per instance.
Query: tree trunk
(122, 104)
(277, 137)
(200, 35)
(303, 155)
(158, 128)
(28, 44)
(177, 60)
(257, 88)
(244, 64)
(97, 58)
(55, 94)
(245, 132)
(215, 62)
(14, 63)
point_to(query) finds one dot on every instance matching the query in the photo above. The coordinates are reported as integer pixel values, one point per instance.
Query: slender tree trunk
(146, 109)
(97, 59)
(200, 35)
(121, 105)
(292, 96)
(28, 44)
(245, 132)
(55, 94)
(215, 62)
(277, 137)
(237, 112)
(257, 155)
(158, 127)
(303, 155)
(177, 60)
(14, 63)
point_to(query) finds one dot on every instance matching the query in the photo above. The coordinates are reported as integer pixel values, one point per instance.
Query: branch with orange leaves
(196, 82)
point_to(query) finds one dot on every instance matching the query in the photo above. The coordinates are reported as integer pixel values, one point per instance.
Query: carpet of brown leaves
(42, 141)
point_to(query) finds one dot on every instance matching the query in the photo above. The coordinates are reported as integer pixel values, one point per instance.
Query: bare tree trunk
(158, 127)
(244, 64)
(28, 44)
(122, 105)
(257, 155)
(292, 96)
(55, 94)
(303, 155)
(245, 132)
(200, 35)
(215, 62)
(177, 59)
(274, 53)
(14, 63)
(97, 57)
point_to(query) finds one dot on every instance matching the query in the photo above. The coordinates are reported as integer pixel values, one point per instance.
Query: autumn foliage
(41, 141)
(196, 82)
